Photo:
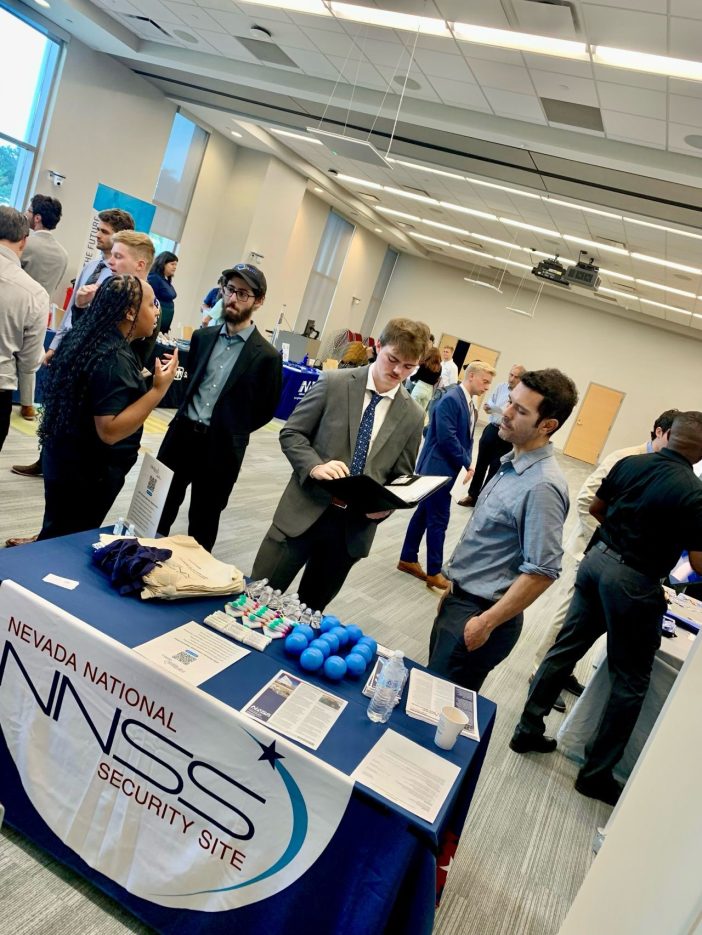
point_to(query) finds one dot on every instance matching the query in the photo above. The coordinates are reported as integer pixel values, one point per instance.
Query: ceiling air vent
(572, 115)
(266, 52)
(473, 244)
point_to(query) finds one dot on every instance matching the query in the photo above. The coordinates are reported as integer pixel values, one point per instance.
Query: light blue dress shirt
(516, 527)
(224, 356)
(499, 397)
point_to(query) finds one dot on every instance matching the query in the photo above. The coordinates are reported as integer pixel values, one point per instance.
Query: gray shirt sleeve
(541, 530)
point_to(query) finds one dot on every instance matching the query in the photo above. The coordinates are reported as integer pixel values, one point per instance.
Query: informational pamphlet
(428, 694)
(149, 496)
(295, 708)
(192, 652)
(402, 771)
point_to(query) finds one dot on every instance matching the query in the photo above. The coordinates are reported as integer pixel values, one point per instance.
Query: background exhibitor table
(297, 381)
(378, 873)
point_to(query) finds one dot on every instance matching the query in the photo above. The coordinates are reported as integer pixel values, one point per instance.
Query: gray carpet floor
(527, 843)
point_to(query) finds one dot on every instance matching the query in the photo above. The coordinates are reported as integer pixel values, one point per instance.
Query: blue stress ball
(335, 668)
(370, 642)
(295, 643)
(322, 645)
(354, 633)
(329, 621)
(356, 664)
(341, 634)
(363, 649)
(332, 640)
(312, 659)
(307, 630)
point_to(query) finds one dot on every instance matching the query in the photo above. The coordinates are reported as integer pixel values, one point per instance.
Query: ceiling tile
(228, 46)
(425, 92)
(677, 133)
(545, 19)
(685, 38)
(630, 100)
(333, 43)
(440, 65)
(625, 29)
(691, 8)
(119, 6)
(565, 88)
(317, 65)
(686, 110)
(157, 11)
(254, 12)
(636, 79)
(685, 88)
(478, 13)
(634, 129)
(356, 72)
(193, 16)
(646, 6)
(487, 53)
(562, 65)
(505, 77)
(459, 93)
(509, 104)
(225, 5)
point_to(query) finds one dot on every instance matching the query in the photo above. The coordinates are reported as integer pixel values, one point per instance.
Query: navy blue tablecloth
(378, 874)
(297, 380)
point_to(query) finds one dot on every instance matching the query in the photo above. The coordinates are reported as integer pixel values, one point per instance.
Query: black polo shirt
(654, 510)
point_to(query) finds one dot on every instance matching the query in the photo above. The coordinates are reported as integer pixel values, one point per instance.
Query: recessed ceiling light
(235, 133)
(46, 5)
(295, 136)
(547, 232)
(378, 230)
(318, 189)
(522, 41)
(667, 263)
(644, 61)
(424, 25)
(595, 245)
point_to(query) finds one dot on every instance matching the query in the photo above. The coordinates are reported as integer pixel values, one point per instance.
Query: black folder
(365, 494)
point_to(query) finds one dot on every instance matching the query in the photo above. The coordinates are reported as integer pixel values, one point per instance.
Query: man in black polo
(650, 510)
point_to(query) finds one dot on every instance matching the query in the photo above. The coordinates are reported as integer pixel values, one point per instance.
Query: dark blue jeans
(613, 598)
(430, 517)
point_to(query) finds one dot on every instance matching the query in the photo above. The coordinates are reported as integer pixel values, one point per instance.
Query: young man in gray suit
(358, 421)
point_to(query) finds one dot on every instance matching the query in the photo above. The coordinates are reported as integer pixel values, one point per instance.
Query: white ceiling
(472, 110)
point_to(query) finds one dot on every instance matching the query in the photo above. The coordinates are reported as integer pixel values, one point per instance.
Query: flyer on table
(192, 652)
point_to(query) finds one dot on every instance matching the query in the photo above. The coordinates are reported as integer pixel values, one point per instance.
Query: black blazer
(251, 393)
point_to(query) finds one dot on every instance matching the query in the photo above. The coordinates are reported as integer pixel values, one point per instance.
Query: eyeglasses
(241, 294)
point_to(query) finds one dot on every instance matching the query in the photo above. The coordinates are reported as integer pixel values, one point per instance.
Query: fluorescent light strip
(472, 211)
(626, 295)
(664, 288)
(295, 136)
(568, 204)
(356, 181)
(500, 243)
(695, 315)
(295, 6)
(502, 188)
(667, 263)
(596, 246)
(615, 275)
(672, 308)
(446, 227)
(514, 263)
(411, 195)
(522, 41)
(420, 168)
(662, 227)
(426, 25)
(547, 232)
(398, 214)
(651, 64)
(428, 239)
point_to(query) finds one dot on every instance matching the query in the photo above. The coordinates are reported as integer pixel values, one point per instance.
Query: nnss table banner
(166, 791)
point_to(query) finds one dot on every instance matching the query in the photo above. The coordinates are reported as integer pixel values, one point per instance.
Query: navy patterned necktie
(95, 275)
(363, 438)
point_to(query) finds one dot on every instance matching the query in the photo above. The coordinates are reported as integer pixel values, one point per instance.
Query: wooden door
(598, 411)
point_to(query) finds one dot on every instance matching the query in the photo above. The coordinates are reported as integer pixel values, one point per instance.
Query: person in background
(95, 405)
(355, 355)
(449, 370)
(426, 378)
(45, 260)
(208, 303)
(25, 310)
(161, 281)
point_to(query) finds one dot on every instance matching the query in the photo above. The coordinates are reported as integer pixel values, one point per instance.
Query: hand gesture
(164, 373)
(329, 471)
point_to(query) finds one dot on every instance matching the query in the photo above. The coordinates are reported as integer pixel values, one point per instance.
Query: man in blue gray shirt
(510, 551)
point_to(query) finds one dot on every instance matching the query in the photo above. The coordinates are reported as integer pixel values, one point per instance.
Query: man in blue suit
(447, 450)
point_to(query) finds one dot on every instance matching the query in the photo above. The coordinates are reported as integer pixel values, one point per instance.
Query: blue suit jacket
(448, 445)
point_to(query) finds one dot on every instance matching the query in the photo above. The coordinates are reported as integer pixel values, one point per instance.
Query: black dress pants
(321, 549)
(210, 465)
(5, 414)
(490, 449)
(613, 598)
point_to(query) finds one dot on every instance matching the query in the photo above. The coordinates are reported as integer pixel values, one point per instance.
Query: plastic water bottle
(390, 681)
(306, 615)
(255, 587)
(118, 529)
(316, 620)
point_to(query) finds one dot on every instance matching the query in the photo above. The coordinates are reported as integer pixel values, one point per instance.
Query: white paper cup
(451, 723)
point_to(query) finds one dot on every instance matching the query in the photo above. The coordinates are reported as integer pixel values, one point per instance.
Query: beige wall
(358, 277)
(289, 287)
(657, 370)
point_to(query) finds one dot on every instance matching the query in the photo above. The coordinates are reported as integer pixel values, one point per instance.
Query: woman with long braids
(95, 405)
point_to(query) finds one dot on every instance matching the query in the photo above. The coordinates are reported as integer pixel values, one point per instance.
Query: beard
(236, 317)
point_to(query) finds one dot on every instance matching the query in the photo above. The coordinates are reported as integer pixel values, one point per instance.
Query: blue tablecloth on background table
(297, 380)
(41, 373)
(379, 872)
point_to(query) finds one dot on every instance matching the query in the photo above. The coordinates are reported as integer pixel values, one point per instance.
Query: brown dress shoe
(27, 470)
(412, 568)
(19, 540)
(438, 581)
(467, 501)
(28, 412)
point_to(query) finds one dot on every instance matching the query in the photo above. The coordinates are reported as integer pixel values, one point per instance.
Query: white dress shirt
(381, 410)
(25, 313)
(449, 374)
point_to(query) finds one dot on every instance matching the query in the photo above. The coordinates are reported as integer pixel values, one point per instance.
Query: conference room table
(298, 380)
(379, 870)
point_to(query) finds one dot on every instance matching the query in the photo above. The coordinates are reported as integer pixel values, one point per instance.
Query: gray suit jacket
(45, 260)
(323, 427)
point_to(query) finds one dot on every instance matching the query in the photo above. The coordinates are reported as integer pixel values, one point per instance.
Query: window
(29, 58)
(379, 290)
(179, 171)
(326, 270)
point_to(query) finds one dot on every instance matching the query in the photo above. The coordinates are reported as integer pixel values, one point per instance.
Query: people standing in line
(491, 447)
(449, 370)
(95, 271)
(45, 260)
(233, 388)
(25, 311)
(95, 405)
(650, 510)
(447, 450)
(574, 547)
(161, 281)
(426, 378)
(358, 421)
(510, 551)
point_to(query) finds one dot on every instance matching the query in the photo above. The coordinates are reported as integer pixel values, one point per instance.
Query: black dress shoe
(524, 742)
(606, 790)
(573, 686)
(559, 704)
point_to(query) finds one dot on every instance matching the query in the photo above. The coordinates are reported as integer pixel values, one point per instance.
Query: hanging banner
(170, 793)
